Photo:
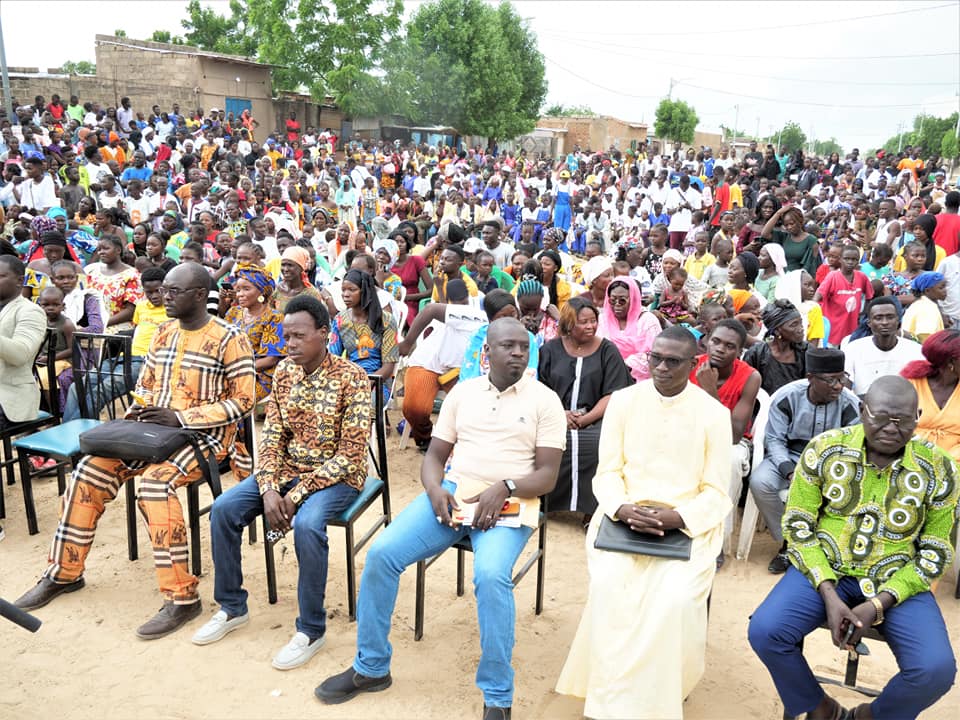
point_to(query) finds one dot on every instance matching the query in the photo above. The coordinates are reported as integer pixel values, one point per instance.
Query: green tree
(472, 66)
(569, 111)
(927, 134)
(165, 36)
(791, 138)
(207, 30)
(78, 67)
(949, 150)
(675, 120)
(825, 148)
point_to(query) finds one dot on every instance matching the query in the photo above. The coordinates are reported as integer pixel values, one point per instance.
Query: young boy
(700, 259)
(51, 302)
(842, 293)
(715, 275)
(659, 216)
(878, 265)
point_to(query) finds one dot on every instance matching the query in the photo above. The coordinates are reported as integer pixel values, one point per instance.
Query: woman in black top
(782, 358)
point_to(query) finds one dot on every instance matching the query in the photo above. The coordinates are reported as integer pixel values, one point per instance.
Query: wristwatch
(511, 485)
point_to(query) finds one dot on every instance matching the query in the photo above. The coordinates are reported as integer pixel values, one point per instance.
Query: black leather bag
(619, 537)
(135, 441)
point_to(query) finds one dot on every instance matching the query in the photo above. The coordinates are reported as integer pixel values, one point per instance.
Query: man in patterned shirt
(868, 525)
(198, 374)
(312, 465)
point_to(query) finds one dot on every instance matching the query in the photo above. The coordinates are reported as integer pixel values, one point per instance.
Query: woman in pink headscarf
(628, 325)
(295, 264)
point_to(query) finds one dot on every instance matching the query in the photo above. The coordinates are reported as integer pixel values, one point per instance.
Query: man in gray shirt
(799, 411)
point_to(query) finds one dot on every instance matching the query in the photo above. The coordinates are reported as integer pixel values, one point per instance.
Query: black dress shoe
(170, 618)
(45, 591)
(779, 564)
(348, 684)
(496, 713)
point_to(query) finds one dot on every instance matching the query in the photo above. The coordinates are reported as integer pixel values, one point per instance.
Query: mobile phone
(226, 285)
(850, 630)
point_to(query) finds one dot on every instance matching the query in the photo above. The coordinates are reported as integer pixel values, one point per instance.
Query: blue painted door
(237, 106)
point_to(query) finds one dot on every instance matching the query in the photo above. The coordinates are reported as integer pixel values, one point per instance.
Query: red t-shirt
(721, 195)
(293, 130)
(842, 301)
(947, 232)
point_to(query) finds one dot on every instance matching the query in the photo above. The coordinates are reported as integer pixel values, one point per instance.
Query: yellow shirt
(147, 317)
(922, 318)
(516, 421)
(440, 279)
(695, 266)
(736, 196)
(899, 264)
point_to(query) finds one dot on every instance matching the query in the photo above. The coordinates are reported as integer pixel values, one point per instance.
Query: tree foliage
(949, 145)
(469, 65)
(559, 110)
(165, 36)
(120, 33)
(675, 120)
(330, 48)
(791, 138)
(927, 134)
(78, 67)
(825, 148)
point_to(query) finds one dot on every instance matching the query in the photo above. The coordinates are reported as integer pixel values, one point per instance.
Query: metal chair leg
(419, 601)
(133, 551)
(8, 461)
(541, 567)
(26, 483)
(252, 532)
(461, 561)
(271, 566)
(193, 513)
(351, 573)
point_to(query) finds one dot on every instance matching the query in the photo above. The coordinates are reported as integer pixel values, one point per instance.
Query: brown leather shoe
(170, 618)
(45, 591)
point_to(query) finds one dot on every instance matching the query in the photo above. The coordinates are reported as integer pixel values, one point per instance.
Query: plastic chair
(95, 376)
(49, 398)
(748, 525)
(464, 546)
(373, 488)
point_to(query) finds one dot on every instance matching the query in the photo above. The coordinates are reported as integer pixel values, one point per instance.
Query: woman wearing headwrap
(923, 317)
(772, 262)
(693, 288)
(923, 229)
(347, 199)
(380, 228)
(262, 322)
(362, 332)
(935, 379)
(385, 252)
(798, 286)
(782, 358)
(597, 274)
(557, 287)
(295, 265)
(628, 325)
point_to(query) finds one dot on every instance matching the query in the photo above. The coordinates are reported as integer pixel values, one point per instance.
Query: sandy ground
(85, 662)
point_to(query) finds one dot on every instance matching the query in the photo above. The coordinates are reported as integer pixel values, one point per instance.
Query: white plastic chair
(751, 514)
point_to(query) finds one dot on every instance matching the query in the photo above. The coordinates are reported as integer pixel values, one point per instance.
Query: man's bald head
(891, 395)
(508, 350)
(505, 325)
(188, 275)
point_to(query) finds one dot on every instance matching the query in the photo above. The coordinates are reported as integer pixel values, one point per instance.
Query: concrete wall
(596, 133)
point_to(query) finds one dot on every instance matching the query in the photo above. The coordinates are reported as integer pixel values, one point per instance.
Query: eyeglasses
(883, 419)
(176, 292)
(615, 300)
(672, 363)
(833, 380)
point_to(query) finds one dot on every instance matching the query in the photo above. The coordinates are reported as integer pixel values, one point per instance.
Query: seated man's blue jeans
(112, 388)
(914, 630)
(237, 508)
(416, 535)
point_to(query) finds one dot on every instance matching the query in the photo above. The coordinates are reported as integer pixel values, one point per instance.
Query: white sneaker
(296, 652)
(218, 626)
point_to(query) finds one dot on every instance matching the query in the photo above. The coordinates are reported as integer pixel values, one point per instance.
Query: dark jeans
(110, 389)
(237, 508)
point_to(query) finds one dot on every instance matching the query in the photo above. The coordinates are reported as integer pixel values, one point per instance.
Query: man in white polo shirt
(884, 352)
(506, 432)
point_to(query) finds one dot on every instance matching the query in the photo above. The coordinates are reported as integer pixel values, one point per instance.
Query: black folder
(619, 537)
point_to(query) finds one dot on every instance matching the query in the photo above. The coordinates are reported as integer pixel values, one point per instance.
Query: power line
(815, 104)
(600, 87)
(727, 71)
(674, 51)
(792, 26)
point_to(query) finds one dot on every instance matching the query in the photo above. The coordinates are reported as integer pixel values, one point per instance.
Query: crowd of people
(625, 314)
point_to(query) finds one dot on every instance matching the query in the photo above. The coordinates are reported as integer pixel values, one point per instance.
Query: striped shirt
(207, 377)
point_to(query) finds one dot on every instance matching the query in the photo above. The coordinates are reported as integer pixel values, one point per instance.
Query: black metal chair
(48, 413)
(852, 667)
(96, 377)
(464, 546)
(373, 488)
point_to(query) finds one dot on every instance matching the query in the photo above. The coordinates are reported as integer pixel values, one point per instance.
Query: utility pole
(7, 100)
(900, 134)
(670, 91)
(756, 135)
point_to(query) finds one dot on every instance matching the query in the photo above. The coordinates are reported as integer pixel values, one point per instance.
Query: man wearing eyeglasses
(869, 521)
(799, 411)
(639, 649)
(198, 374)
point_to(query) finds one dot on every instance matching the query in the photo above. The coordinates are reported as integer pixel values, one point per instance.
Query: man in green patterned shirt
(869, 526)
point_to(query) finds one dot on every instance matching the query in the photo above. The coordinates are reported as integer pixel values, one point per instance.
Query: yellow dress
(939, 425)
(639, 649)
